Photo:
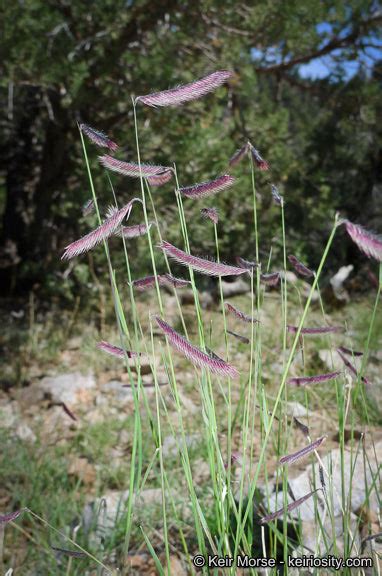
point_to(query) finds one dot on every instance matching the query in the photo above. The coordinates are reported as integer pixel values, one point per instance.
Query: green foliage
(321, 137)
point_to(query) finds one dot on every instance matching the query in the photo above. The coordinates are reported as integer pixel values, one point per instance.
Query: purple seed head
(351, 368)
(188, 92)
(131, 168)
(316, 331)
(368, 242)
(201, 265)
(115, 350)
(239, 337)
(300, 267)
(239, 154)
(104, 231)
(259, 160)
(302, 427)
(247, 264)
(161, 178)
(277, 198)
(6, 518)
(67, 411)
(195, 355)
(291, 458)
(289, 508)
(239, 314)
(98, 137)
(208, 188)
(318, 379)
(211, 214)
(270, 279)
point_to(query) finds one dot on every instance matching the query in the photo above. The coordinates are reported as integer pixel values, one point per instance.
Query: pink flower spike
(247, 264)
(291, 458)
(176, 282)
(130, 168)
(135, 231)
(188, 92)
(367, 242)
(148, 282)
(98, 137)
(115, 350)
(208, 188)
(160, 179)
(271, 279)
(6, 518)
(210, 213)
(289, 508)
(239, 154)
(201, 265)
(210, 362)
(104, 231)
(239, 314)
(315, 331)
(300, 267)
(318, 379)
(259, 160)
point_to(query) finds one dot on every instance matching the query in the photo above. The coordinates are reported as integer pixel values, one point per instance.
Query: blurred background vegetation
(306, 91)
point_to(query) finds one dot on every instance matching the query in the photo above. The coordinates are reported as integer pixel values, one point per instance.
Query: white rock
(297, 409)
(73, 388)
(331, 359)
(101, 516)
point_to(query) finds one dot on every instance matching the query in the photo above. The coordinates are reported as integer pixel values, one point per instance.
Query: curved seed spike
(98, 137)
(289, 508)
(315, 331)
(210, 213)
(259, 160)
(147, 282)
(278, 199)
(239, 314)
(291, 458)
(368, 242)
(302, 427)
(349, 352)
(243, 339)
(239, 154)
(160, 179)
(248, 264)
(115, 350)
(304, 380)
(188, 92)
(300, 267)
(176, 282)
(130, 168)
(6, 518)
(208, 267)
(350, 366)
(72, 553)
(208, 188)
(270, 279)
(104, 231)
(67, 411)
(195, 355)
